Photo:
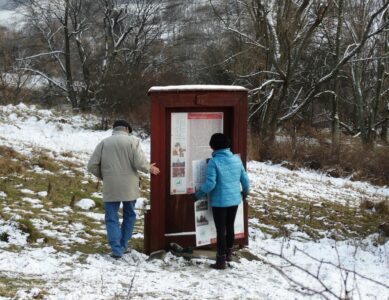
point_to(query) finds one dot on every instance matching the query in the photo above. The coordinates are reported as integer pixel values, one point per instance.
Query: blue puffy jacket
(225, 174)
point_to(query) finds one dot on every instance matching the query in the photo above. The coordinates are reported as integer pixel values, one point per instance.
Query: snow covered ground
(284, 267)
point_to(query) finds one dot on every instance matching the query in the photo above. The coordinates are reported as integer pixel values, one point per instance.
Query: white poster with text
(190, 135)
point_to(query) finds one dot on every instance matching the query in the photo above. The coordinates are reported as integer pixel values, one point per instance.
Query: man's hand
(153, 169)
(244, 196)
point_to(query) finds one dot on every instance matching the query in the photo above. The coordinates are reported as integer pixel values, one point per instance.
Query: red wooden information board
(182, 120)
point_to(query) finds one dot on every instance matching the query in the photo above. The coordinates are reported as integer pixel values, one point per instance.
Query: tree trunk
(358, 96)
(384, 129)
(69, 79)
(335, 105)
(77, 23)
(335, 126)
(384, 126)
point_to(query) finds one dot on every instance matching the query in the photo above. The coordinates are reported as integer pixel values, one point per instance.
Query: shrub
(4, 237)
(312, 149)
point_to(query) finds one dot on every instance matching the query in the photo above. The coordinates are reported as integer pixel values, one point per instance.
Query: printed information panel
(204, 223)
(190, 135)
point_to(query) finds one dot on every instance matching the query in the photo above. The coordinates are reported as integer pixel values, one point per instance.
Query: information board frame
(171, 217)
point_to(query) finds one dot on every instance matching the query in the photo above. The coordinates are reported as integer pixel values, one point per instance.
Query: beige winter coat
(117, 160)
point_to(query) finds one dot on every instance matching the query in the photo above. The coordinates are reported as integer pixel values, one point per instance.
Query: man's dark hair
(219, 141)
(122, 123)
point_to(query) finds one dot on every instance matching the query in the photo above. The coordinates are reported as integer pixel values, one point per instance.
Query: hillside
(311, 236)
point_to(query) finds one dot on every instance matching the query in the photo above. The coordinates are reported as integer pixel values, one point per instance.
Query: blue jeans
(118, 237)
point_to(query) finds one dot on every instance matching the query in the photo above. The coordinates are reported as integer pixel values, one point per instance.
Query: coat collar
(119, 132)
(222, 152)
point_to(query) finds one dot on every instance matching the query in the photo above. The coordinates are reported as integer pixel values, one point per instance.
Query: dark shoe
(115, 256)
(220, 262)
(229, 254)
(178, 249)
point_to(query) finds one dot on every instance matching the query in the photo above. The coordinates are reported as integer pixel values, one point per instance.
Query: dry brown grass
(11, 162)
(382, 207)
(67, 154)
(46, 162)
(8, 166)
(11, 153)
(367, 204)
(312, 149)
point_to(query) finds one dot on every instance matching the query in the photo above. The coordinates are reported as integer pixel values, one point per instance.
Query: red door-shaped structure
(182, 120)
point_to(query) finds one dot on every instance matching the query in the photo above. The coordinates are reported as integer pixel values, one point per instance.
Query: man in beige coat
(117, 160)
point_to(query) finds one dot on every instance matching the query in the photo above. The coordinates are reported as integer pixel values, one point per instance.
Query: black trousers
(224, 218)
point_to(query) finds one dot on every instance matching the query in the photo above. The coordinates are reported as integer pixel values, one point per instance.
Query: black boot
(220, 262)
(229, 254)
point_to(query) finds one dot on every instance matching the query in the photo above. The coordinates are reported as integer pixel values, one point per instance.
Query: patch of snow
(24, 127)
(309, 185)
(94, 216)
(37, 169)
(14, 235)
(27, 191)
(42, 194)
(63, 237)
(3, 195)
(64, 209)
(28, 294)
(141, 203)
(138, 235)
(97, 195)
(86, 203)
(197, 88)
(77, 226)
(45, 262)
(31, 200)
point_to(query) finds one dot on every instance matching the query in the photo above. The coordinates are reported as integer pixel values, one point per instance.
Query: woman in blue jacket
(224, 177)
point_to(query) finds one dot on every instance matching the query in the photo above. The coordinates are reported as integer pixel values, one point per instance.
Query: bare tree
(335, 100)
(129, 29)
(15, 84)
(367, 72)
(291, 68)
(51, 20)
(88, 42)
(382, 90)
(81, 16)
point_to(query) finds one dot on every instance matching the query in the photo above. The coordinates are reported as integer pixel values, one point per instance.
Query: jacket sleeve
(138, 158)
(94, 164)
(244, 180)
(210, 180)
